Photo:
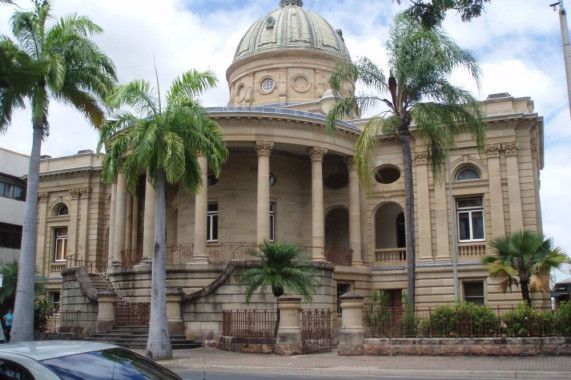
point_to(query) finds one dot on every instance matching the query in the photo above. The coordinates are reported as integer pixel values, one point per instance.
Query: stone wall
(247, 345)
(79, 302)
(466, 346)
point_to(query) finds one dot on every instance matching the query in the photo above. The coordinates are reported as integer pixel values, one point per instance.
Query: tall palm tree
(524, 258)
(417, 91)
(76, 72)
(162, 143)
(282, 267)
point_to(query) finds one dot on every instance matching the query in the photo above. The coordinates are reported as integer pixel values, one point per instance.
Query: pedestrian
(8, 318)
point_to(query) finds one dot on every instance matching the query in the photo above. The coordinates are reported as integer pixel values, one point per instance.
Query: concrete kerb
(321, 364)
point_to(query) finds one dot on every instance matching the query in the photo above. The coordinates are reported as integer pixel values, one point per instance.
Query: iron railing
(132, 313)
(249, 323)
(339, 256)
(451, 322)
(316, 331)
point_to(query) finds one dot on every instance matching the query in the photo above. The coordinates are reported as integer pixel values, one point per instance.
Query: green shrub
(464, 319)
(527, 321)
(563, 319)
(42, 311)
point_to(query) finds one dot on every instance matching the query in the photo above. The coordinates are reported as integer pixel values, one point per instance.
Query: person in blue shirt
(8, 318)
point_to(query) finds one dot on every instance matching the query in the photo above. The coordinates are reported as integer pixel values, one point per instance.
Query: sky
(518, 45)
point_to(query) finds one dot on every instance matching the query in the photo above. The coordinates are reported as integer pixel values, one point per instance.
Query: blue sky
(517, 43)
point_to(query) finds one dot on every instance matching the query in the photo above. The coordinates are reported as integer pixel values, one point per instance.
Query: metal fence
(467, 321)
(249, 323)
(316, 331)
(132, 314)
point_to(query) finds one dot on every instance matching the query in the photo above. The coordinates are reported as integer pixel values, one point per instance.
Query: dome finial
(283, 3)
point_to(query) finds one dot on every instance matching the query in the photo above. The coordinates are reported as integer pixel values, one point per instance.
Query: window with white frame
(470, 216)
(60, 247)
(272, 222)
(212, 222)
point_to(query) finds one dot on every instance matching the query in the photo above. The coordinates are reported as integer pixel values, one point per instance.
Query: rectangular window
(470, 215)
(55, 301)
(341, 289)
(212, 222)
(272, 222)
(11, 187)
(10, 236)
(474, 292)
(60, 250)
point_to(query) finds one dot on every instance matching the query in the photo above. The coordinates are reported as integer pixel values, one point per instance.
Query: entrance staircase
(136, 337)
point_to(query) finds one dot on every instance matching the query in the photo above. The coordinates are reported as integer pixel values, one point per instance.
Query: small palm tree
(524, 258)
(282, 268)
(162, 143)
(73, 70)
(417, 89)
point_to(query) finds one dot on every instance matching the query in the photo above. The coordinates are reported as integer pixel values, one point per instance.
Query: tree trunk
(409, 219)
(23, 325)
(524, 284)
(159, 344)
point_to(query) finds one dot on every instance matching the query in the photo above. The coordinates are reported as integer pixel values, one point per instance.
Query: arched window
(62, 210)
(467, 174)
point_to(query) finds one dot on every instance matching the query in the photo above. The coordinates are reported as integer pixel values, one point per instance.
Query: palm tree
(420, 63)
(163, 144)
(282, 267)
(76, 72)
(524, 258)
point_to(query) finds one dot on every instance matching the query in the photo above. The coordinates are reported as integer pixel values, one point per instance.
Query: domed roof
(291, 27)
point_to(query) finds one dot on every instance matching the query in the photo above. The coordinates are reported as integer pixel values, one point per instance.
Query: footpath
(334, 366)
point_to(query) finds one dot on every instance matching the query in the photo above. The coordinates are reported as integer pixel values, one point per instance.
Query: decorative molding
(264, 148)
(43, 197)
(493, 150)
(511, 148)
(75, 193)
(350, 162)
(317, 153)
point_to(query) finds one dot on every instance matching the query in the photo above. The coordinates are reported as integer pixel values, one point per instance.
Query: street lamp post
(566, 45)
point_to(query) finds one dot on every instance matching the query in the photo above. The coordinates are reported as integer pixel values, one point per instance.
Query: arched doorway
(337, 246)
(390, 234)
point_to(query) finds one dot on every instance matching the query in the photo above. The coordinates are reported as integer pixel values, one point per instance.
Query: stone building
(287, 180)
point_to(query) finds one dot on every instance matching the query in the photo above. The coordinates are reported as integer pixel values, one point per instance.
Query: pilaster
(422, 196)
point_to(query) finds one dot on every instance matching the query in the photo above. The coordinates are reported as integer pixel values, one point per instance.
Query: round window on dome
(387, 174)
(267, 85)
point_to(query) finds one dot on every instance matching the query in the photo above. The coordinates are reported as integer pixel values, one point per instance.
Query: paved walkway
(468, 367)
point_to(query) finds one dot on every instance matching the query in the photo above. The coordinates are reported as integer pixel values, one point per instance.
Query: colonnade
(123, 210)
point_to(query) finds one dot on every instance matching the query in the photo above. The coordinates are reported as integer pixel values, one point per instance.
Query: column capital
(317, 153)
(493, 150)
(43, 197)
(350, 162)
(264, 148)
(511, 148)
(421, 158)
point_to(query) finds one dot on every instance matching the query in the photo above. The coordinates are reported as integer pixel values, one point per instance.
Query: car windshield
(111, 364)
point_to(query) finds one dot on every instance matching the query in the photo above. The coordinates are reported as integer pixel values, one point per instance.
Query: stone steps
(137, 336)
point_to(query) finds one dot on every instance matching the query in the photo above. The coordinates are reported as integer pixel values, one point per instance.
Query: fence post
(352, 335)
(174, 311)
(289, 333)
(106, 300)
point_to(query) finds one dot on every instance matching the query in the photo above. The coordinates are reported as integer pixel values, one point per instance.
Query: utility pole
(566, 45)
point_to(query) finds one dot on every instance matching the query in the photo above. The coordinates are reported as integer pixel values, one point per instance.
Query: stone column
(199, 255)
(514, 188)
(263, 150)
(135, 224)
(112, 211)
(442, 222)
(317, 223)
(83, 234)
(120, 208)
(105, 311)
(43, 229)
(423, 213)
(352, 334)
(149, 223)
(354, 214)
(496, 193)
(289, 333)
(129, 222)
(174, 311)
(73, 228)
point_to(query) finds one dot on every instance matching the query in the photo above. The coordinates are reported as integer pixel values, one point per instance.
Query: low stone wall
(247, 345)
(468, 346)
